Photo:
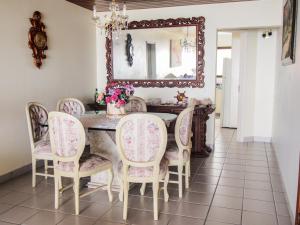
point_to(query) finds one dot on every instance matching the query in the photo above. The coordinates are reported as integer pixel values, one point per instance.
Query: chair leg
(33, 172)
(155, 188)
(60, 183)
(121, 192)
(187, 176)
(76, 193)
(56, 190)
(46, 168)
(180, 168)
(125, 204)
(166, 181)
(109, 184)
(143, 188)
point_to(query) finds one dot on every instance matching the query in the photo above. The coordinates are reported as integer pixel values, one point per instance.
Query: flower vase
(114, 112)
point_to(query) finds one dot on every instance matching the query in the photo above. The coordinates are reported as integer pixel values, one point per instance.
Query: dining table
(100, 130)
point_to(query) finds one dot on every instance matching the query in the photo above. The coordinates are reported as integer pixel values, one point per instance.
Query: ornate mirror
(158, 53)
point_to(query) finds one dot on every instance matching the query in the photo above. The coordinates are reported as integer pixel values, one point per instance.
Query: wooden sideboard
(201, 115)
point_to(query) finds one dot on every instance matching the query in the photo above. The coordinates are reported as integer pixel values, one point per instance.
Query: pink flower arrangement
(115, 94)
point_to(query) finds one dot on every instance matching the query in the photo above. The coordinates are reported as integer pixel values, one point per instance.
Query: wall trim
(257, 139)
(292, 216)
(20, 171)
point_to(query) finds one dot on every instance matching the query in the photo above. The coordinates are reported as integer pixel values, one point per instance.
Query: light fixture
(267, 33)
(186, 43)
(115, 22)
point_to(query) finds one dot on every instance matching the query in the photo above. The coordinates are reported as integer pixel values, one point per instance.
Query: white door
(226, 89)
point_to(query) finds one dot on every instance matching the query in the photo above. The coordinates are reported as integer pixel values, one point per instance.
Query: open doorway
(245, 72)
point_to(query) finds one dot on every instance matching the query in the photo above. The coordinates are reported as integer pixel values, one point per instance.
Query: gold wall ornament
(37, 39)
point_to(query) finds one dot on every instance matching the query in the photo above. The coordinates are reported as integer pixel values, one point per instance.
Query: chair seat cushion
(172, 152)
(145, 171)
(91, 162)
(43, 147)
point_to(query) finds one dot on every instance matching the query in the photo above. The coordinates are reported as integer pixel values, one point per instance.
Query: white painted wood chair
(136, 104)
(141, 141)
(179, 152)
(67, 137)
(37, 121)
(71, 106)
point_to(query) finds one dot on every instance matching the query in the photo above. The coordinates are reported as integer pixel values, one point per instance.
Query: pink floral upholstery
(185, 128)
(141, 139)
(38, 118)
(71, 107)
(145, 171)
(92, 162)
(136, 105)
(172, 152)
(43, 147)
(66, 136)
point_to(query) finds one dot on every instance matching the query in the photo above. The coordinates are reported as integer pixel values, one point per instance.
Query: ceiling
(102, 5)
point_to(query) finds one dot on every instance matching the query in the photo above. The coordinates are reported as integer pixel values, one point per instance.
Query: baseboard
(257, 139)
(18, 172)
(292, 216)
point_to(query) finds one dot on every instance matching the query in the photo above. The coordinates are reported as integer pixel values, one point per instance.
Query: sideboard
(201, 115)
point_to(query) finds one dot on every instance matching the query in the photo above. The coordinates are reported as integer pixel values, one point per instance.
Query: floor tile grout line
(210, 205)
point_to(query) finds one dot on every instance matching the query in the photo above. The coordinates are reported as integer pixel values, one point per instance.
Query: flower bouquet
(115, 97)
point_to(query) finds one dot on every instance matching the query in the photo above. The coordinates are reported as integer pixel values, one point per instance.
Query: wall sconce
(267, 33)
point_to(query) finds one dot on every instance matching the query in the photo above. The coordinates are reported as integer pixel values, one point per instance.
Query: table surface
(99, 120)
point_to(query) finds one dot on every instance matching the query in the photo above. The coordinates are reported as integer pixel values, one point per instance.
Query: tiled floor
(237, 184)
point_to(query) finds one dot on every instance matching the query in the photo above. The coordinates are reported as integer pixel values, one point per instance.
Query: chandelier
(186, 43)
(114, 23)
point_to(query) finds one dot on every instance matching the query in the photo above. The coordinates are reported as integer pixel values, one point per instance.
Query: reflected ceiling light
(186, 43)
(113, 23)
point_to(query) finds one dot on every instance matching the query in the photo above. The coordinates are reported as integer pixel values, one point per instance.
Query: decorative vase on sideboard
(115, 112)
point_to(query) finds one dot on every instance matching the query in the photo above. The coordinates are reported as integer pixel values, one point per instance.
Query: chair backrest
(37, 121)
(136, 104)
(67, 137)
(183, 128)
(71, 106)
(141, 139)
(193, 102)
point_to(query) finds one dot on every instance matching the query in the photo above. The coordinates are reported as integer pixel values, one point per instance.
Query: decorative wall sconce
(37, 39)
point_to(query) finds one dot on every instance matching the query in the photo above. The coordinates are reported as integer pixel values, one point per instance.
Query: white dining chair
(67, 137)
(136, 104)
(37, 122)
(71, 106)
(179, 152)
(141, 141)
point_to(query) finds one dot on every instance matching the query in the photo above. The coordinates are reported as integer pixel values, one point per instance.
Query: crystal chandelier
(186, 43)
(114, 23)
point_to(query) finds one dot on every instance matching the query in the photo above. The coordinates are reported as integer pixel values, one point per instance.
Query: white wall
(69, 70)
(286, 122)
(218, 16)
(257, 74)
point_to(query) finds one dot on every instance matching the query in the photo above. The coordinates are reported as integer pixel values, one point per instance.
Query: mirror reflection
(155, 54)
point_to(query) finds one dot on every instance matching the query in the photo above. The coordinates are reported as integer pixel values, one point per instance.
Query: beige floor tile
(45, 218)
(95, 210)
(259, 185)
(252, 218)
(5, 207)
(202, 188)
(284, 220)
(258, 195)
(282, 209)
(230, 191)
(180, 220)
(101, 222)
(257, 177)
(192, 210)
(259, 206)
(77, 220)
(15, 198)
(17, 214)
(216, 223)
(224, 215)
(232, 174)
(279, 197)
(197, 198)
(232, 182)
(206, 179)
(227, 202)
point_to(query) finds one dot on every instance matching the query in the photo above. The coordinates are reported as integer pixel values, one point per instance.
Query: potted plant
(115, 97)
